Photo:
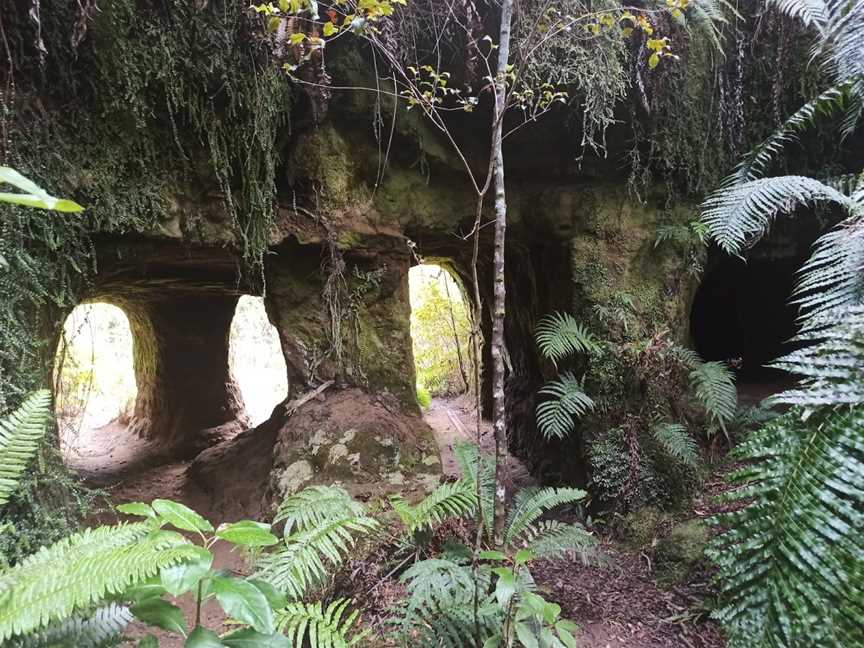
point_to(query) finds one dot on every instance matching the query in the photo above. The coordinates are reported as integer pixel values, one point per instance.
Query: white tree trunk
(498, 409)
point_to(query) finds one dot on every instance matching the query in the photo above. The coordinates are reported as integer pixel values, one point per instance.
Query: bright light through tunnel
(256, 360)
(95, 381)
(440, 332)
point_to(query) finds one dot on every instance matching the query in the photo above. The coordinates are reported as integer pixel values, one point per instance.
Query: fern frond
(714, 387)
(790, 560)
(832, 365)
(439, 610)
(835, 100)
(676, 442)
(555, 416)
(531, 503)
(559, 335)
(302, 561)
(81, 570)
(314, 505)
(101, 628)
(468, 457)
(549, 538)
(832, 277)
(739, 215)
(453, 500)
(20, 434)
(319, 626)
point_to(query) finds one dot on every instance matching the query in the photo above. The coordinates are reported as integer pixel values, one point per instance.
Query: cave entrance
(95, 385)
(440, 332)
(742, 313)
(256, 360)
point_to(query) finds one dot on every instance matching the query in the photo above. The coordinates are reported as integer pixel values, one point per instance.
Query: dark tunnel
(742, 313)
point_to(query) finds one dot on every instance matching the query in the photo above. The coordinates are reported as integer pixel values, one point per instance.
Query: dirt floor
(617, 605)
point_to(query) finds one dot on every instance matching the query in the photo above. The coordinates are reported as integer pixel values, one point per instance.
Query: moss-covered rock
(681, 550)
(639, 528)
(362, 442)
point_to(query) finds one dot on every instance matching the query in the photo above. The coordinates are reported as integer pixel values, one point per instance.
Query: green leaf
(250, 639)
(182, 577)
(201, 637)
(247, 533)
(565, 636)
(181, 516)
(151, 588)
(161, 614)
(505, 587)
(137, 508)
(523, 556)
(492, 555)
(244, 602)
(149, 642)
(526, 636)
(275, 598)
(653, 60)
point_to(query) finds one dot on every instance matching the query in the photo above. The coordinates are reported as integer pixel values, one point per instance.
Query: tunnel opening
(95, 378)
(742, 312)
(256, 360)
(440, 332)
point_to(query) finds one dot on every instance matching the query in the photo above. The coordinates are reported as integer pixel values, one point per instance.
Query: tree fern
(559, 335)
(739, 214)
(714, 388)
(791, 559)
(555, 416)
(320, 627)
(20, 434)
(454, 500)
(81, 570)
(103, 627)
(325, 533)
(469, 458)
(676, 442)
(831, 365)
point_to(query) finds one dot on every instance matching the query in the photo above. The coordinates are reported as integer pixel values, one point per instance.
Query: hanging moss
(165, 119)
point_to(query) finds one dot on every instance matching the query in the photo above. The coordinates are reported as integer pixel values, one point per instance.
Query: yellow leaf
(653, 60)
(297, 38)
(330, 29)
(626, 32)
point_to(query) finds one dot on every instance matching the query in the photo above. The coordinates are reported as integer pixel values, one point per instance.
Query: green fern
(453, 500)
(714, 388)
(738, 215)
(315, 540)
(676, 442)
(469, 458)
(555, 416)
(103, 627)
(790, 561)
(531, 503)
(315, 504)
(82, 570)
(20, 434)
(559, 335)
(439, 610)
(831, 365)
(320, 627)
(551, 538)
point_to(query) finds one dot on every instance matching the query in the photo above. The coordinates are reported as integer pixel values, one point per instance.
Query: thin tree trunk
(498, 410)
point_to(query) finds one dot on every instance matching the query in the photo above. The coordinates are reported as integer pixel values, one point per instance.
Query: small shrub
(424, 398)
